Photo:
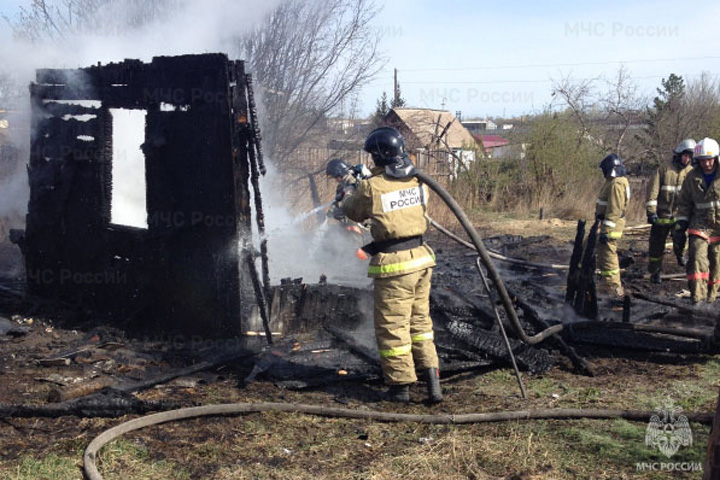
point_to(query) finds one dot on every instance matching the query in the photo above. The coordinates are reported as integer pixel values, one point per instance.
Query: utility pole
(396, 91)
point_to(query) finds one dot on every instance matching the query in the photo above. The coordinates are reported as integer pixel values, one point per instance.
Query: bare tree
(621, 104)
(44, 20)
(604, 119)
(680, 111)
(579, 97)
(307, 59)
(56, 20)
(702, 102)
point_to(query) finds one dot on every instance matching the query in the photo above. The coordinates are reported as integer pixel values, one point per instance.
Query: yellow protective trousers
(703, 268)
(658, 237)
(608, 264)
(403, 327)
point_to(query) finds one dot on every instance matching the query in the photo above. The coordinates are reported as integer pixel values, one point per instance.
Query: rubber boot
(433, 385)
(398, 393)
(655, 278)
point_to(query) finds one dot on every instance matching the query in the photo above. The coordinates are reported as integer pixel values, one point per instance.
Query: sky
(484, 59)
(496, 59)
(500, 58)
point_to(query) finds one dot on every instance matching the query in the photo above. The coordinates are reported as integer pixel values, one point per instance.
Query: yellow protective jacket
(699, 204)
(664, 191)
(396, 209)
(611, 204)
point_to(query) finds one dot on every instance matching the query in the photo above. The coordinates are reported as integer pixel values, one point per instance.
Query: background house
(435, 139)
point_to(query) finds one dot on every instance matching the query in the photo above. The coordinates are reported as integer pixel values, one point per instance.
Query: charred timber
(492, 344)
(580, 363)
(183, 274)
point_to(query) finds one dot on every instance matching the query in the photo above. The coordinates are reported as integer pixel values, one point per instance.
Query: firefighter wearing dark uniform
(401, 265)
(610, 210)
(662, 198)
(341, 172)
(699, 218)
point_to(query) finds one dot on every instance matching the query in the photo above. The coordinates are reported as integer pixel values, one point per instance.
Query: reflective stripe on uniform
(402, 266)
(670, 188)
(684, 219)
(651, 203)
(698, 276)
(422, 337)
(614, 235)
(655, 259)
(610, 273)
(601, 202)
(609, 223)
(698, 233)
(705, 206)
(665, 221)
(396, 352)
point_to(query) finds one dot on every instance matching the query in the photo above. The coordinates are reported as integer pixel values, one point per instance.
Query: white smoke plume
(191, 27)
(301, 245)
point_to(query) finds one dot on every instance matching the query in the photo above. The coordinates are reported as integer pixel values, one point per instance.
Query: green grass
(274, 445)
(52, 467)
(124, 459)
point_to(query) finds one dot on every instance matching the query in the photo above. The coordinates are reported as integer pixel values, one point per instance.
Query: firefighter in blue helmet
(610, 211)
(341, 172)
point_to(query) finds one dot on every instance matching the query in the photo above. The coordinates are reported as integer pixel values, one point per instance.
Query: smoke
(123, 29)
(115, 32)
(300, 245)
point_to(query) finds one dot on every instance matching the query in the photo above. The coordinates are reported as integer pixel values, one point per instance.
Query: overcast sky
(499, 58)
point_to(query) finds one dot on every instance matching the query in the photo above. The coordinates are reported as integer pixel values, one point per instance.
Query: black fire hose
(487, 263)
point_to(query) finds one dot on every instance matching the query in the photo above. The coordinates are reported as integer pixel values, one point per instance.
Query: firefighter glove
(360, 171)
(652, 218)
(336, 212)
(603, 239)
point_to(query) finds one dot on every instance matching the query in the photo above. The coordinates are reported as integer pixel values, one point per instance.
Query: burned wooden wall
(181, 274)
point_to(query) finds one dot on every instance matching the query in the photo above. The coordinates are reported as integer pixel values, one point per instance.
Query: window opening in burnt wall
(128, 202)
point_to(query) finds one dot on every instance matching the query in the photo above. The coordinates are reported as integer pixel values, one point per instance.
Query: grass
(277, 445)
(123, 459)
(51, 467)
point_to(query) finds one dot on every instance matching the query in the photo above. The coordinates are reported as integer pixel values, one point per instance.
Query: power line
(502, 67)
(491, 82)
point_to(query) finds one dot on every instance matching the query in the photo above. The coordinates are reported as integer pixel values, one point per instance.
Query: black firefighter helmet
(337, 168)
(612, 166)
(386, 145)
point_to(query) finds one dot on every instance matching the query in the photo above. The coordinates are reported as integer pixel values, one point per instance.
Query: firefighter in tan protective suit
(699, 217)
(401, 264)
(661, 207)
(610, 210)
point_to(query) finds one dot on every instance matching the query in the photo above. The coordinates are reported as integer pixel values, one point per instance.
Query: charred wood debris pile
(216, 309)
(327, 334)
